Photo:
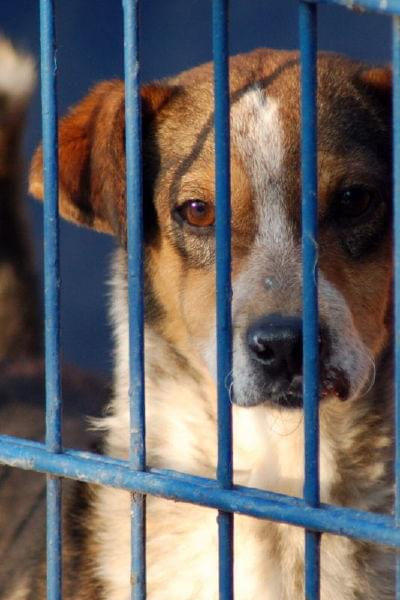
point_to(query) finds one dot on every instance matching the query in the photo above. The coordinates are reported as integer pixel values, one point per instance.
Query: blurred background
(175, 35)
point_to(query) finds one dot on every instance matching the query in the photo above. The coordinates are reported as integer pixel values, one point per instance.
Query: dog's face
(354, 246)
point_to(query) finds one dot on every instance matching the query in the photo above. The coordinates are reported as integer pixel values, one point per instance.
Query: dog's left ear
(91, 155)
(379, 81)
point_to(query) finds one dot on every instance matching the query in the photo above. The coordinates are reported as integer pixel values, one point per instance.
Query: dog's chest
(182, 539)
(182, 547)
(268, 443)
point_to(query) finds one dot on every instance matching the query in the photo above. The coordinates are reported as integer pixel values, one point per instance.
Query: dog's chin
(288, 400)
(334, 384)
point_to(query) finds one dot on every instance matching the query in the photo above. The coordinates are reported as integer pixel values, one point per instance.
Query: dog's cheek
(245, 381)
(208, 353)
(247, 386)
(373, 302)
(347, 353)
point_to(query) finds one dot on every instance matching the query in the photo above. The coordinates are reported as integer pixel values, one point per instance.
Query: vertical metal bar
(308, 48)
(223, 285)
(396, 221)
(134, 210)
(48, 71)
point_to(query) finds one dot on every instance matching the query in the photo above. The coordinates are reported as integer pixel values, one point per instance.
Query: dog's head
(354, 248)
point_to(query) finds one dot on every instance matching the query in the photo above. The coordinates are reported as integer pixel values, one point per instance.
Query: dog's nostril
(268, 354)
(261, 348)
(296, 355)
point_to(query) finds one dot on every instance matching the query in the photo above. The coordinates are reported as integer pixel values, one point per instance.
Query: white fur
(257, 134)
(22, 590)
(17, 73)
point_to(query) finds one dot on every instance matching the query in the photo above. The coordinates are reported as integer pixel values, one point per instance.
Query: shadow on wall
(175, 35)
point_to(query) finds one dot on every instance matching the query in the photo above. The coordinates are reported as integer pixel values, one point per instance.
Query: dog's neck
(268, 442)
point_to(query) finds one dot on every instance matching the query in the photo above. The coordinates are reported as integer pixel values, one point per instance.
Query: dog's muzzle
(274, 343)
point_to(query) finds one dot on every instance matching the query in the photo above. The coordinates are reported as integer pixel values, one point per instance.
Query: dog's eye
(359, 214)
(353, 203)
(197, 213)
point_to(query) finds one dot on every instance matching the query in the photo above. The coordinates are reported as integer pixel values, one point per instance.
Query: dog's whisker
(372, 375)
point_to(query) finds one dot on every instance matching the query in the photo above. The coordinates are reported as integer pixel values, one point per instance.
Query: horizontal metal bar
(383, 6)
(101, 470)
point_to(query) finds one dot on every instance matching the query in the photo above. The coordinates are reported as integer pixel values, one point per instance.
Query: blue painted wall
(175, 35)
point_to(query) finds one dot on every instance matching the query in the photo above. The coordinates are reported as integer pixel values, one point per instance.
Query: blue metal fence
(135, 279)
(133, 475)
(52, 290)
(396, 225)
(223, 287)
(308, 50)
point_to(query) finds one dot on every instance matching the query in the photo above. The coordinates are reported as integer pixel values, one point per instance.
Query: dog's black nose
(276, 342)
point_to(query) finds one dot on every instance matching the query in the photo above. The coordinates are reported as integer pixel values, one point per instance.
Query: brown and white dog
(355, 274)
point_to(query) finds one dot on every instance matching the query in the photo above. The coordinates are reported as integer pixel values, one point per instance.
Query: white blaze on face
(256, 131)
(256, 135)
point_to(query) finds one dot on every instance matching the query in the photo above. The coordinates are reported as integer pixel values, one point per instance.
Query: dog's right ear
(92, 157)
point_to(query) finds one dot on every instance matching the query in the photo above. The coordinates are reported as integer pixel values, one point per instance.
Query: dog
(20, 323)
(355, 302)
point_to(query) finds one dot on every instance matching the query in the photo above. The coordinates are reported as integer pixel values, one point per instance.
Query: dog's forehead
(265, 129)
(257, 136)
